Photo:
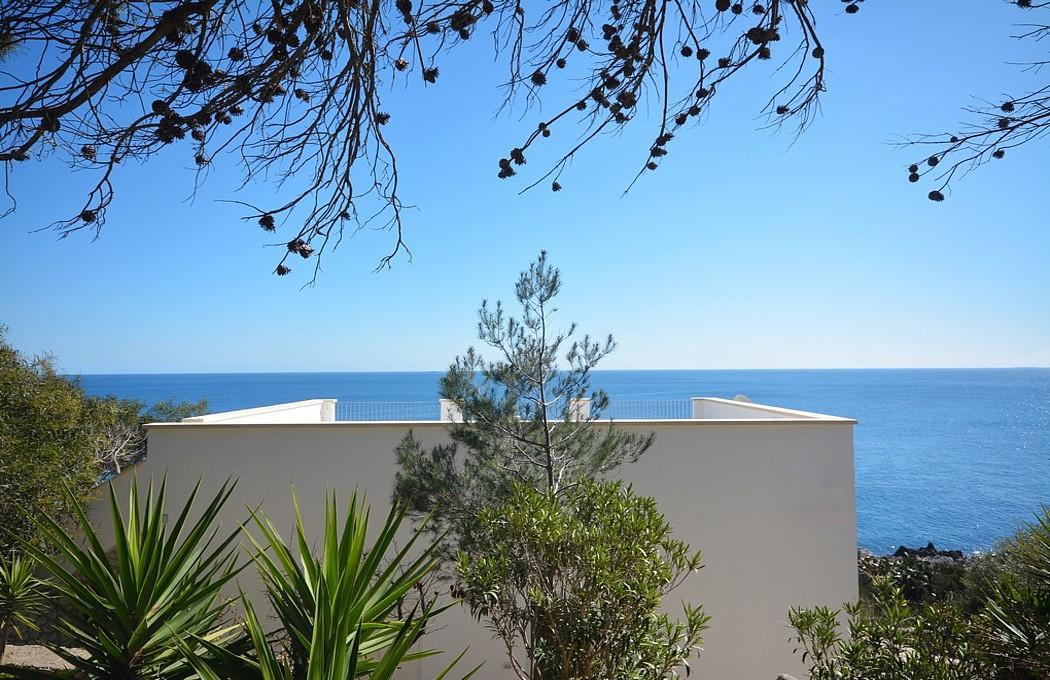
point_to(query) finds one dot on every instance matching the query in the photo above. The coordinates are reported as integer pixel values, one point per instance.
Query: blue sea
(957, 457)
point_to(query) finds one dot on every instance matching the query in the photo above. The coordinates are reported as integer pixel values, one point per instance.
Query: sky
(746, 249)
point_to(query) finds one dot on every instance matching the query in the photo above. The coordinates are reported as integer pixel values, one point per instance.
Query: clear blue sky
(743, 251)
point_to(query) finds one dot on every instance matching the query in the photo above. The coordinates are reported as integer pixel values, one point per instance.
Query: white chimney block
(450, 412)
(579, 409)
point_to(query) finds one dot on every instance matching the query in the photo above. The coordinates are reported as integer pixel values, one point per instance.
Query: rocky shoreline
(929, 574)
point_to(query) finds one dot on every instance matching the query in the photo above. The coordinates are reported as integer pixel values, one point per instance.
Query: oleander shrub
(888, 638)
(573, 585)
(991, 621)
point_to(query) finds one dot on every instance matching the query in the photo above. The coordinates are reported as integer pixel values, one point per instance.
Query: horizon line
(602, 370)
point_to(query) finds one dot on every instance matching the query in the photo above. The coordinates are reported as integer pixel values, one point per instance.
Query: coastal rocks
(924, 574)
(928, 552)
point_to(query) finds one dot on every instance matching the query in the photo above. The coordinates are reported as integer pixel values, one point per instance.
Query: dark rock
(928, 552)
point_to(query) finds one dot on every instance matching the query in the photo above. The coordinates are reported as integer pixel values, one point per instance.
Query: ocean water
(957, 457)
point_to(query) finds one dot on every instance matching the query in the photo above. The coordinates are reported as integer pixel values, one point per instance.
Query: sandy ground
(33, 656)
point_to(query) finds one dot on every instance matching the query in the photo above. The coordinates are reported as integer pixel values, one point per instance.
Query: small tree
(119, 425)
(53, 437)
(575, 584)
(521, 416)
(46, 444)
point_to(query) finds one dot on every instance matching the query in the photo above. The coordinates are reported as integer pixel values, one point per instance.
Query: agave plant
(22, 597)
(338, 608)
(131, 610)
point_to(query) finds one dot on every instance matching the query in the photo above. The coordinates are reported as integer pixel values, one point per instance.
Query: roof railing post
(450, 412)
(579, 409)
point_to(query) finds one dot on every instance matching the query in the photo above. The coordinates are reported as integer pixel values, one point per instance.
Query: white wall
(770, 503)
(710, 408)
(309, 411)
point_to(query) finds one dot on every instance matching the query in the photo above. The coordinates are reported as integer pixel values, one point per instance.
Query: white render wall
(769, 501)
(308, 411)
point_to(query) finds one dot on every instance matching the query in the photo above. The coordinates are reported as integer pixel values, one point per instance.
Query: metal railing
(671, 409)
(387, 410)
(358, 411)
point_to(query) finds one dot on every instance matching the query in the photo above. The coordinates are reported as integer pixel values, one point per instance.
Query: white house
(766, 493)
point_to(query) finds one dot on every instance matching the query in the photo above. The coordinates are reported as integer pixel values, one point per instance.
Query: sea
(957, 457)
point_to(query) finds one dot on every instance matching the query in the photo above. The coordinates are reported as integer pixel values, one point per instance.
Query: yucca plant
(132, 610)
(338, 609)
(350, 583)
(334, 652)
(22, 597)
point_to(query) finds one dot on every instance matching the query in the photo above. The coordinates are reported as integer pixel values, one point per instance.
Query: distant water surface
(957, 457)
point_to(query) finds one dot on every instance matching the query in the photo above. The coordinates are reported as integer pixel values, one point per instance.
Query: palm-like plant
(22, 597)
(338, 608)
(334, 653)
(132, 610)
(1015, 622)
(350, 586)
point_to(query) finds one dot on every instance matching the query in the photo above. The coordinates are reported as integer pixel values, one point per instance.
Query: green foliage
(571, 570)
(171, 411)
(888, 639)
(22, 597)
(922, 581)
(153, 609)
(119, 425)
(1015, 623)
(133, 610)
(575, 583)
(54, 439)
(519, 425)
(335, 653)
(47, 444)
(345, 596)
(991, 618)
(338, 609)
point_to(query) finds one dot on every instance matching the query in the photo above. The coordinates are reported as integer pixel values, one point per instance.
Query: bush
(577, 582)
(48, 440)
(889, 638)
(1014, 625)
(976, 619)
(57, 444)
(337, 609)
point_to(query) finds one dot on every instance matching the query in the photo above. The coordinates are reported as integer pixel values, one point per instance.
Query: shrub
(57, 444)
(1014, 625)
(576, 582)
(153, 608)
(47, 445)
(991, 618)
(888, 639)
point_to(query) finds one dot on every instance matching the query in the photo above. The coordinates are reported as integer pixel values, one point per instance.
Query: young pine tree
(522, 420)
